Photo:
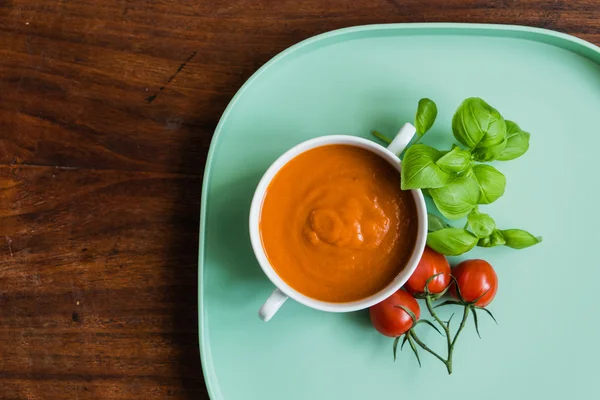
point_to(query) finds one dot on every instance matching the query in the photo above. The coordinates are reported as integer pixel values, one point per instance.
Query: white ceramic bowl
(283, 290)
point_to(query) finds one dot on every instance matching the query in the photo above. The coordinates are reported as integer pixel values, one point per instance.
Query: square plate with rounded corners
(354, 80)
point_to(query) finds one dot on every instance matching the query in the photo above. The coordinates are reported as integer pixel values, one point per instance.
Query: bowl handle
(273, 303)
(402, 139)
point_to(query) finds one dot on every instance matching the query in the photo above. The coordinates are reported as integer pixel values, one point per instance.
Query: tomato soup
(335, 225)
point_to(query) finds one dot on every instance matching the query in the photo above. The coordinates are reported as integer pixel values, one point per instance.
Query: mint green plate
(350, 81)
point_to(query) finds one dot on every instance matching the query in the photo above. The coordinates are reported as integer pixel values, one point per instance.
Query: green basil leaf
(491, 183)
(455, 161)
(520, 239)
(491, 153)
(494, 239)
(435, 223)
(451, 241)
(484, 242)
(419, 170)
(477, 124)
(482, 225)
(425, 117)
(497, 238)
(458, 198)
(517, 142)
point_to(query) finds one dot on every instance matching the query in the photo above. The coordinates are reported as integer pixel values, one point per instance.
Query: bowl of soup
(330, 226)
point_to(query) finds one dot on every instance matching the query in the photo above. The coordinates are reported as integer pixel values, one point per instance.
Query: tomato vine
(469, 307)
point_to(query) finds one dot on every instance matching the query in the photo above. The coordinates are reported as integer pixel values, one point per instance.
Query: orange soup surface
(335, 225)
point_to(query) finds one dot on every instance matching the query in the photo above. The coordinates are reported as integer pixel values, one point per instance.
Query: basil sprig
(458, 180)
(480, 231)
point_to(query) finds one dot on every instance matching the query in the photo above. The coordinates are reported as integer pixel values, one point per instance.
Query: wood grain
(107, 109)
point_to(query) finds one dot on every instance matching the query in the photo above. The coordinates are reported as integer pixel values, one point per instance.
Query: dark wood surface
(107, 108)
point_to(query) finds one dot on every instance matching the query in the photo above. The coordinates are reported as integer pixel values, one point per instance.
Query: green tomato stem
(381, 137)
(414, 336)
(451, 342)
(460, 328)
(444, 326)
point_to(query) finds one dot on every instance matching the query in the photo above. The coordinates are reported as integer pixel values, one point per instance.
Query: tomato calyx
(427, 293)
(433, 296)
(472, 305)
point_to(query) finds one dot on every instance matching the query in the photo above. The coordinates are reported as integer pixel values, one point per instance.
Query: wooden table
(107, 109)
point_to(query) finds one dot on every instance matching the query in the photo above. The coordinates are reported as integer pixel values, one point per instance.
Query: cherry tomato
(391, 320)
(475, 278)
(431, 263)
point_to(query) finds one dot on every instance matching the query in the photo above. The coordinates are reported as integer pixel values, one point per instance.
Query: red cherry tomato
(391, 320)
(431, 263)
(475, 279)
